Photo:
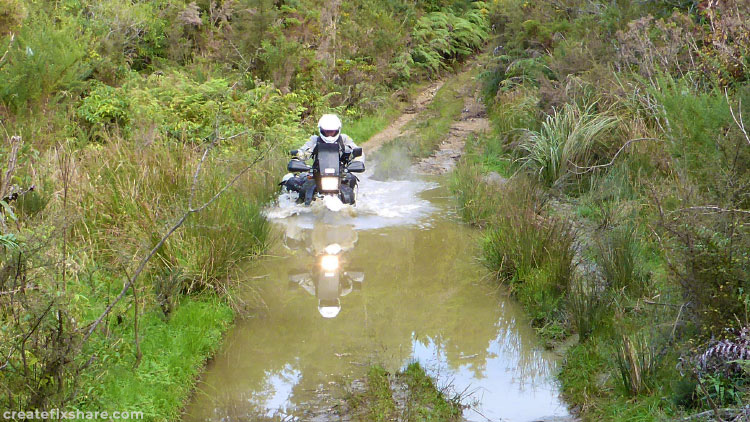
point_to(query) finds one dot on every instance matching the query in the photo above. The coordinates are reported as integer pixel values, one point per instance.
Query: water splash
(379, 204)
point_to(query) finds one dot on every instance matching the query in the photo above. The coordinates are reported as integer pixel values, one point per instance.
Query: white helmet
(329, 127)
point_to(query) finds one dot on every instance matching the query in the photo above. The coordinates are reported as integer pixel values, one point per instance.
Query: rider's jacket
(344, 141)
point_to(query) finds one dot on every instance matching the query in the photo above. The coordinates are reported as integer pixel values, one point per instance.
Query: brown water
(407, 288)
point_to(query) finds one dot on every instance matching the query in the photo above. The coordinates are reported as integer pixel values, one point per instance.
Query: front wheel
(347, 195)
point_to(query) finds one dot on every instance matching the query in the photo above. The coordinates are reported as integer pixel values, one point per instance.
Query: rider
(329, 131)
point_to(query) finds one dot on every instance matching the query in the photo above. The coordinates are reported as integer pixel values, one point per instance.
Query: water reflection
(327, 278)
(423, 300)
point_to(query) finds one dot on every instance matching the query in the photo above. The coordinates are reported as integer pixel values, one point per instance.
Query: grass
(618, 256)
(376, 402)
(128, 209)
(530, 251)
(363, 128)
(488, 151)
(426, 401)
(174, 352)
(419, 398)
(477, 201)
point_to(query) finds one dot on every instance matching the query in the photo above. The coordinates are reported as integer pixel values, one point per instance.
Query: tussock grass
(477, 200)
(589, 308)
(567, 138)
(533, 252)
(637, 363)
(618, 258)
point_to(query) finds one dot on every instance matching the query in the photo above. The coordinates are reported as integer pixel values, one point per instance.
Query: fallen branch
(622, 148)
(713, 209)
(726, 412)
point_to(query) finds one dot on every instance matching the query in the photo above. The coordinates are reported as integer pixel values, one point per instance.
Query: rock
(493, 178)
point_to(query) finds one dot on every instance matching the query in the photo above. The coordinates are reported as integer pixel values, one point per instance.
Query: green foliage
(363, 128)
(376, 403)
(637, 364)
(47, 56)
(426, 402)
(12, 13)
(103, 109)
(589, 308)
(131, 35)
(424, 134)
(422, 400)
(206, 251)
(667, 74)
(721, 390)
(582, 365)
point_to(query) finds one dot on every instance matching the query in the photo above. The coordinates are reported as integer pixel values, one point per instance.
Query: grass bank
(621, 212)
(408, 395)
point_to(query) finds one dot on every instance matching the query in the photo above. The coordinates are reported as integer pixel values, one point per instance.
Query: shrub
(103, 109)
(441, 37)
(49, 55)
(12, 13)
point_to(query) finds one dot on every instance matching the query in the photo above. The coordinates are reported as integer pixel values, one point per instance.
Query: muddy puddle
(392, 281)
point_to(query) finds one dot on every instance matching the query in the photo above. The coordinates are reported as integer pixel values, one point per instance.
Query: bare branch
(622, 148)
(15, 143)
(10, 44)
(738, 121)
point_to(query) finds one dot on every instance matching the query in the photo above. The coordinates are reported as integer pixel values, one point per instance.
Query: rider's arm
(350, 145)
(305, 151)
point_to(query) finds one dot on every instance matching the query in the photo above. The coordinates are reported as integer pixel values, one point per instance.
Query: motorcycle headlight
(330, 263)
(329, 183)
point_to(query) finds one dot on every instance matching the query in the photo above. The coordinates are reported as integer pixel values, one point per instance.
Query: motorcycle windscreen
(328, 159)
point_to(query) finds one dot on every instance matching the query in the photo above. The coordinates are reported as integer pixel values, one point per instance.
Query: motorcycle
(330, 175)
(328, 280)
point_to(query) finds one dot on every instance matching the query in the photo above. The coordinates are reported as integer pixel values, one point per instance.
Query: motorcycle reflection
(328, 279)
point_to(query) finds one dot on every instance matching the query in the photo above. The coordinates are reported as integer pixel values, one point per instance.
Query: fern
(442, 37)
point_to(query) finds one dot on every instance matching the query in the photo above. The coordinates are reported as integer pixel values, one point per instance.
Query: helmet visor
(329, 132)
